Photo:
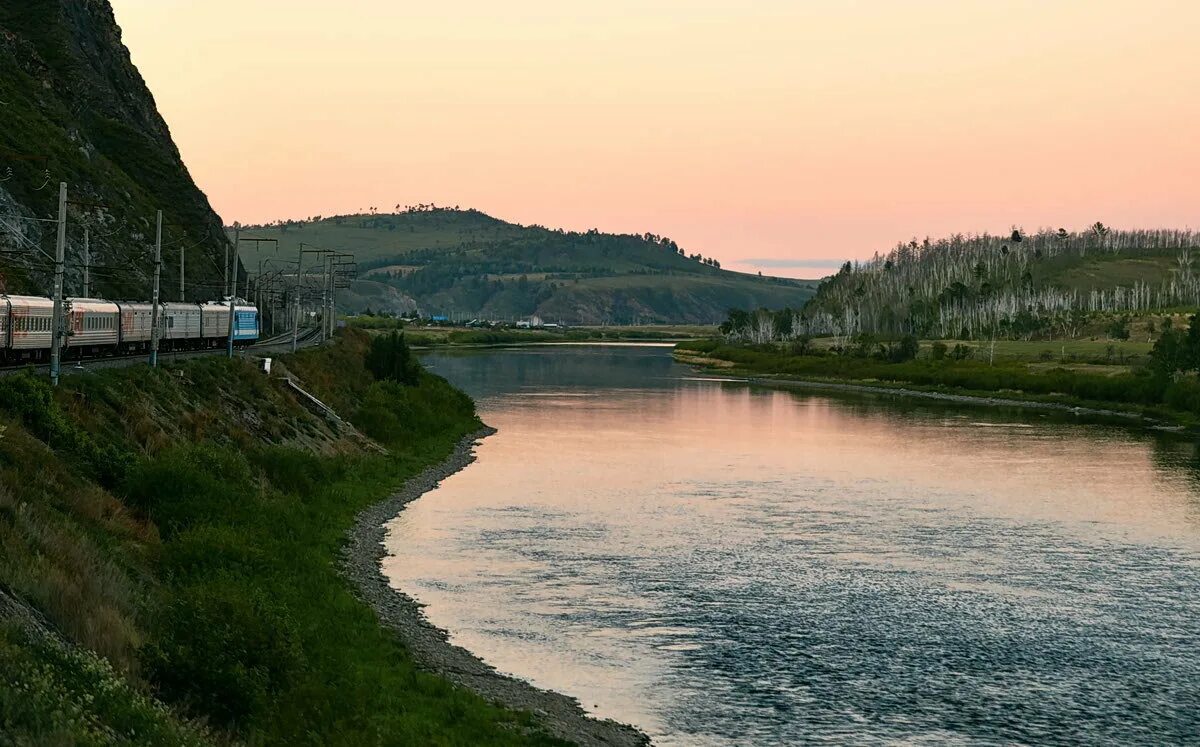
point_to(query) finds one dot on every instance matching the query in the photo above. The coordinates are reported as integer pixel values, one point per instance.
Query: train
(96, 327)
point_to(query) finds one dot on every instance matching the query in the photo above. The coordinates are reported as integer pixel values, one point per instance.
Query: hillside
(1043, 285)
(464, 262)
(74, 108)
(169, 571)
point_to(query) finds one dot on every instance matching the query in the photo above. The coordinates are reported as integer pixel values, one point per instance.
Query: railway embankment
(177, 533)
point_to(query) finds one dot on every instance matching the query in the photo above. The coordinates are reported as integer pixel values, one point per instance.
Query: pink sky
(794, 133)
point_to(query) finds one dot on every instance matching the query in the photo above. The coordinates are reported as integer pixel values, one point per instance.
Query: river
(721, 564)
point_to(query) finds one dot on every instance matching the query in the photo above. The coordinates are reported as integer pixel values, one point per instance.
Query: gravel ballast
(559, 714)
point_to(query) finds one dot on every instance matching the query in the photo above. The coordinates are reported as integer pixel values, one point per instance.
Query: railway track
(278, 344)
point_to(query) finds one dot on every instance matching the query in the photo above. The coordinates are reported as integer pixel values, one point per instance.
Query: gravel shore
(560, 715)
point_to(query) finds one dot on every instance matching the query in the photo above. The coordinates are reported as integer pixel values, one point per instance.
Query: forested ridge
(1043, 285)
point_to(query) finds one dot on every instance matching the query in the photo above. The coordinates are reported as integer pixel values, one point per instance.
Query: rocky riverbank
(561, 715)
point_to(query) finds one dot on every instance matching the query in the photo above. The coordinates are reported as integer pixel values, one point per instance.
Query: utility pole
(296, 301)
(181, 253)
(87, 262)
(155, 316)
(60, 253)
(226, 291)
(237, 238)
(324, 295)
(330, 315)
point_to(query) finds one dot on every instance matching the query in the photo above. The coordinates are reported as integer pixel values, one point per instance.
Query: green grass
(1099, 350)
(463, 260)
(1109, 271)
(438, 336)
(1136, 390)
(204, 568)
(52, 694)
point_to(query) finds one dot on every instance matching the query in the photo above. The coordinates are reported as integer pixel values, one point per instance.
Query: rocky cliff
(74, 109)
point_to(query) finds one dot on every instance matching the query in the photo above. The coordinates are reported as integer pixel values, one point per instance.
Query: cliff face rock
(74, 108)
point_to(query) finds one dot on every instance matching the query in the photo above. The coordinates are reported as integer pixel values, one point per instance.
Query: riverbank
(919, 380)
(434, 337)
(180, 533)
(561, 715)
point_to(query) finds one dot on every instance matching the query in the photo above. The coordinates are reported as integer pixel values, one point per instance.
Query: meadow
(1019, 372)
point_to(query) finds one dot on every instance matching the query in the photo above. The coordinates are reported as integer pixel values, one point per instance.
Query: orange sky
(800, 133)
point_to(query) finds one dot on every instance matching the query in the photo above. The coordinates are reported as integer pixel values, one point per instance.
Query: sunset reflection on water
(721, 564)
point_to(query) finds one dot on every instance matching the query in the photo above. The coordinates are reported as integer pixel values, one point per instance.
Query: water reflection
(728, 565)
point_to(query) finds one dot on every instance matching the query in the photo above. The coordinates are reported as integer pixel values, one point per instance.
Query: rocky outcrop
(76, 110)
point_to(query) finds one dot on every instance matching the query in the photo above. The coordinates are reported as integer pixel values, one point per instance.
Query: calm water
(723, 565)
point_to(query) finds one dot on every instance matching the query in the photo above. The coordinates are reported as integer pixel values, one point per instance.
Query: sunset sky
(782, 136)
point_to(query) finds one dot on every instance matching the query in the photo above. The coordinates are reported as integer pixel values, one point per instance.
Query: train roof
(93, 304)
(31, 302)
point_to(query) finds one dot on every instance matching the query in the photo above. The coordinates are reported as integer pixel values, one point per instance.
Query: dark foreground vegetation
(1162, 385)
(168, 556)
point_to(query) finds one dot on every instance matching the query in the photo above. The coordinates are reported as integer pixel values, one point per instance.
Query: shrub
(960, 352)
(390, 359)
(190, 485)
(802, 345)
(223, 648)
(1118, 329)
(937, 351)
(31, 399)
(905, 349)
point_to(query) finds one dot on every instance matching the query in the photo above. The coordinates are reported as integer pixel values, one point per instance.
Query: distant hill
(74, 108)
(468, 263)
(1014, 285)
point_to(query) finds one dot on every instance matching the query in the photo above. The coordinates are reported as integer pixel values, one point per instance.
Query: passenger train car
(95, 327)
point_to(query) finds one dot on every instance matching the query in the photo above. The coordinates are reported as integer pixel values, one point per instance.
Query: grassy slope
(186, 524)
(1009, 378)
(468, 261)
(1109, 271)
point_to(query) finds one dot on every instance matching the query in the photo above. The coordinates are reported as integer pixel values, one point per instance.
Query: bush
(1183, 395)
(802, 345)
(937, 351)
(1119, 328)
(31, 399)
(390, 359)
(905, 349)
(223, 648)
(191, 485)
(960, 352)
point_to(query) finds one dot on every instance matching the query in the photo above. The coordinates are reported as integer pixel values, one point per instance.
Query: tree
(390, 359)
(1177, 350)
(903, 350)
(1119, 328)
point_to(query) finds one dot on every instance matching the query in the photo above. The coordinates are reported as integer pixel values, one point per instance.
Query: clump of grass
(71, 549)
(54, 694)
